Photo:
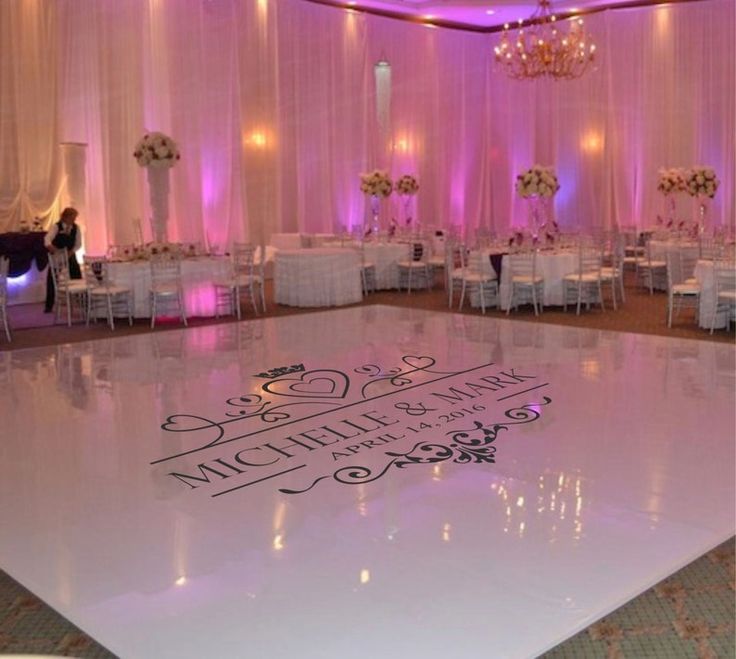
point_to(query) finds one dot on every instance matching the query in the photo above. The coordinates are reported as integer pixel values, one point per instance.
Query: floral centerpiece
(407, 186)
(671, 180)
(158, 153)
(156, 150)
(537, 181)
(377, 184)
(162, 249)
(538, 184)
(701, 182)
(27, 227)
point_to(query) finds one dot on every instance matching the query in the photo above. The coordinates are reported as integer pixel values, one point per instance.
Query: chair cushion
(690, 280)
(729, 296)
(109, 290)
(412, 264)
(652, 264)
(610, 273)
(686, 289)
(527, 279)
(477, 277)
(586, 276)
(165, 289)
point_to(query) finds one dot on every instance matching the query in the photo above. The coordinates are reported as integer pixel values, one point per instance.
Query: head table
(197, 274)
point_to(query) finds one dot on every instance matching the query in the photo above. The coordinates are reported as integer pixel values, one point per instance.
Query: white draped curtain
(273, 105)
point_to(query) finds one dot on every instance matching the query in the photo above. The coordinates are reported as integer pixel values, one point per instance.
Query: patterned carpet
(690, 614)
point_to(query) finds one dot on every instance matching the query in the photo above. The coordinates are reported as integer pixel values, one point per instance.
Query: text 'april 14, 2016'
(411, 414)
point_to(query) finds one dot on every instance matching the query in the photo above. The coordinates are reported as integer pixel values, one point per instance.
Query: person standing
(64, 234)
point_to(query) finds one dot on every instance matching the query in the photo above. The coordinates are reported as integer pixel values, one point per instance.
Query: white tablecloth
(321, 277)
(553, 266)
(287, 240)
(706, 279)
(386, 256)
(660, 249)
(197, 275)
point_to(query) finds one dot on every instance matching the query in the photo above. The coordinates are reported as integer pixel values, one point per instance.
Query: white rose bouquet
(376, 183)
(156, 150)
(538, 181)
(671, 180)
(701, 182)
(407, 185)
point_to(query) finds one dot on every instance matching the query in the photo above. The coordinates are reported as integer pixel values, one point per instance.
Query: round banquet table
(197, 275)
(552, 265)
(321, 277)
(386, 257)
(705, 277)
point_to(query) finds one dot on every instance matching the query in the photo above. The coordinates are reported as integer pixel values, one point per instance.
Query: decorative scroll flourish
(465, 446)
(396, 376)
(251, 406)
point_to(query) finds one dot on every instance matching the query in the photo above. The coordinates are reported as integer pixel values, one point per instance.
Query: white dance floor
(364, 482)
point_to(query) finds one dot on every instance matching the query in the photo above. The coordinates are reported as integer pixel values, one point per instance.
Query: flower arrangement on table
(376, 183)
(517, 239)
(537, 181)
(671, 180)
(550, 231)
(700, 181)
(538, 184)
(161, 249)
(26, 226)
(156, 150)
(407, 186)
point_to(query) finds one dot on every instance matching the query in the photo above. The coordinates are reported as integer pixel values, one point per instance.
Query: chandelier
(544, 48)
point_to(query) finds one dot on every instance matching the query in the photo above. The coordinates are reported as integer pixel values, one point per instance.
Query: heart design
(419, 363)
(324, 383)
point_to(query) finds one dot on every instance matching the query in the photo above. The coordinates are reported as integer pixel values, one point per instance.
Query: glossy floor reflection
(364, 482)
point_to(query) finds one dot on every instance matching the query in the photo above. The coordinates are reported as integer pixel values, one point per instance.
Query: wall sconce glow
(257, 139)
(181, 581)
(401, 145)
(278, 542)
(592, 143)
(365, 576)
(446, 532)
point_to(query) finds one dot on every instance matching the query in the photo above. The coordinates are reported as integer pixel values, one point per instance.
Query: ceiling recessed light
(490, 12)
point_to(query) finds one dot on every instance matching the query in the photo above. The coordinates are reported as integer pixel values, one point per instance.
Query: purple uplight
(19, 281)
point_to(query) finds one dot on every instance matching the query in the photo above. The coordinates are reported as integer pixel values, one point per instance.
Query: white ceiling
(480, 13)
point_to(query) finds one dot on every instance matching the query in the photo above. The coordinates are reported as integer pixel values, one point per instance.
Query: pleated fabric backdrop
(273, 104)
